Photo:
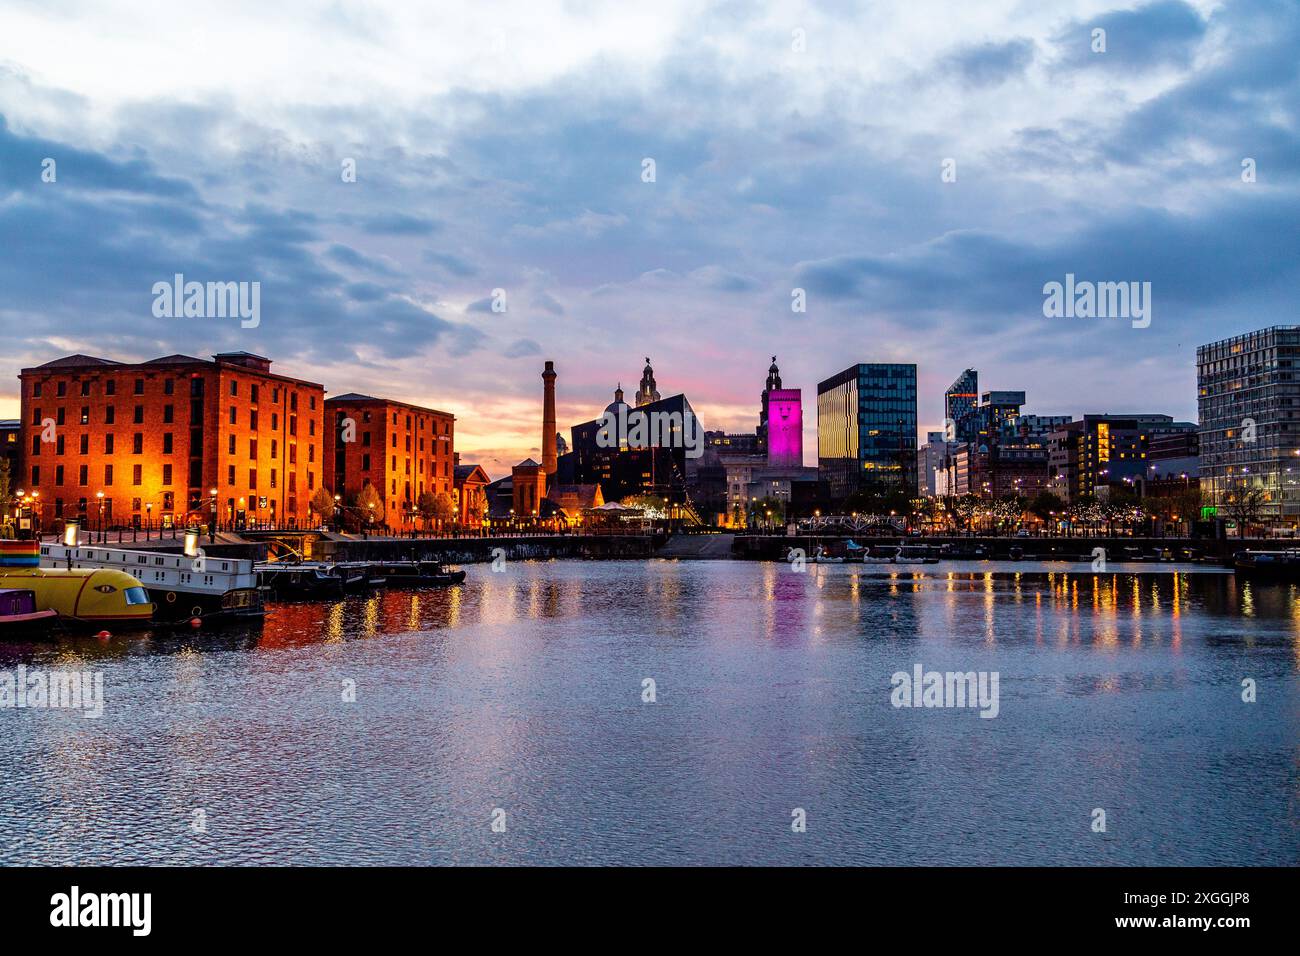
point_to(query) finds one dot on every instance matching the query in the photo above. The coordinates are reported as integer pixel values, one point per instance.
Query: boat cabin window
(136, 596)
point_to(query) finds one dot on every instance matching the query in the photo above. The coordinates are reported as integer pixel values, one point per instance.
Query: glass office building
(866, 430)
(1248, 401)
(959, 404)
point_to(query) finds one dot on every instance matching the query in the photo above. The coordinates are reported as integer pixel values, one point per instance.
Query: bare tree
(1245, 505)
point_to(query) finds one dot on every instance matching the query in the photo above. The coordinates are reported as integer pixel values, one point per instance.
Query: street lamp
(148, 519)
(100, 496)
(213, 530)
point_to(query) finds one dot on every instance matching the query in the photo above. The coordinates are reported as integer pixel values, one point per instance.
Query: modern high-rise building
(866, 430)
(170, 441)
(959, 403)
(1097, 452)
(933, 461)
(1248, 401)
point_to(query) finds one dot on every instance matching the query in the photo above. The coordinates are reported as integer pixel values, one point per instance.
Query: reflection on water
(522, 690)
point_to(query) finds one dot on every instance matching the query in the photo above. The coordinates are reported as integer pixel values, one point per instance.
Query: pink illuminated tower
(781, 422)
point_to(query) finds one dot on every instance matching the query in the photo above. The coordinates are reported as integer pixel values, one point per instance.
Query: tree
(767, 511)
(877, 500)
(6, 494)
(474, 510)
(426, 507)
(1184, 505)
(370, 505)
(444, 508)
(1121, 507)
(964, 509)
(1045, 506)
(1009, 510)
(1244, 505)
(322, 503)
(1087, 512)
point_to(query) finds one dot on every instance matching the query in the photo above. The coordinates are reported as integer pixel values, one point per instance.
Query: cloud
(521, 348)
(347, 256)
(547, 303)
(989, 64)
(1165, 33)
(395, 224)
(510, 155)
(452, 265)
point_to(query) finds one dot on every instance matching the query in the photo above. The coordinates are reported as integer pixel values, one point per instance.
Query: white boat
(881, 554)
(915, 555)
(180, 587)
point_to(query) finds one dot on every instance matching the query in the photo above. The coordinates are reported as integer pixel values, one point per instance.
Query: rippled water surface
(522, 691)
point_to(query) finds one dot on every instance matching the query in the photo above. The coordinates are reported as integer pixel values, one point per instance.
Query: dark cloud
(520, 348)
(93, 243)
(1157, 34)
(547, 303)
(347, 256)
(990, 63)
(397, 224)
(78, 169)
(453, 265)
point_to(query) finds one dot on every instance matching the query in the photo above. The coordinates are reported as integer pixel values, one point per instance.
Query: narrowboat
(19, 616)
(181, 587)
(314, 579)
(81, 595)
(415, 574)
(84, 595)
(1268, 565)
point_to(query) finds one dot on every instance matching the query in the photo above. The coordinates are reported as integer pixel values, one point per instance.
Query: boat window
(136, 596)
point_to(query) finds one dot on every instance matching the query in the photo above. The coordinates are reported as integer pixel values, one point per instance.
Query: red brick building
(152, 441)
(401, 450)
(471, 494)
(529, 488)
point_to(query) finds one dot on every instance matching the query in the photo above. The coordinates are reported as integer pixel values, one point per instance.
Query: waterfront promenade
(467, 549)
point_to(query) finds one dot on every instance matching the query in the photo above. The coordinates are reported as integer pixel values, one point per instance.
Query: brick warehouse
(157, 437)
(402, 450)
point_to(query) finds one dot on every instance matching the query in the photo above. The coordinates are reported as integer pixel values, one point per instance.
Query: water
(522, 691)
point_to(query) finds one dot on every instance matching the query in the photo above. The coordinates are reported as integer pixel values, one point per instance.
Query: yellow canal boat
(88, 595)
(94, 596)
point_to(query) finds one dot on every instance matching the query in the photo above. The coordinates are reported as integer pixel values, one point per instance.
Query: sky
(918, 170)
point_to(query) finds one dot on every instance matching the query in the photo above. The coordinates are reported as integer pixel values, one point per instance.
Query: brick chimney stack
(549, 460)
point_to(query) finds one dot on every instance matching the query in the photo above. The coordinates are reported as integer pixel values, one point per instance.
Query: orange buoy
(195, 622)
(103, 635)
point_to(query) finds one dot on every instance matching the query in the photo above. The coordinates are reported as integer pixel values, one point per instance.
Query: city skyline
(791, 162)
